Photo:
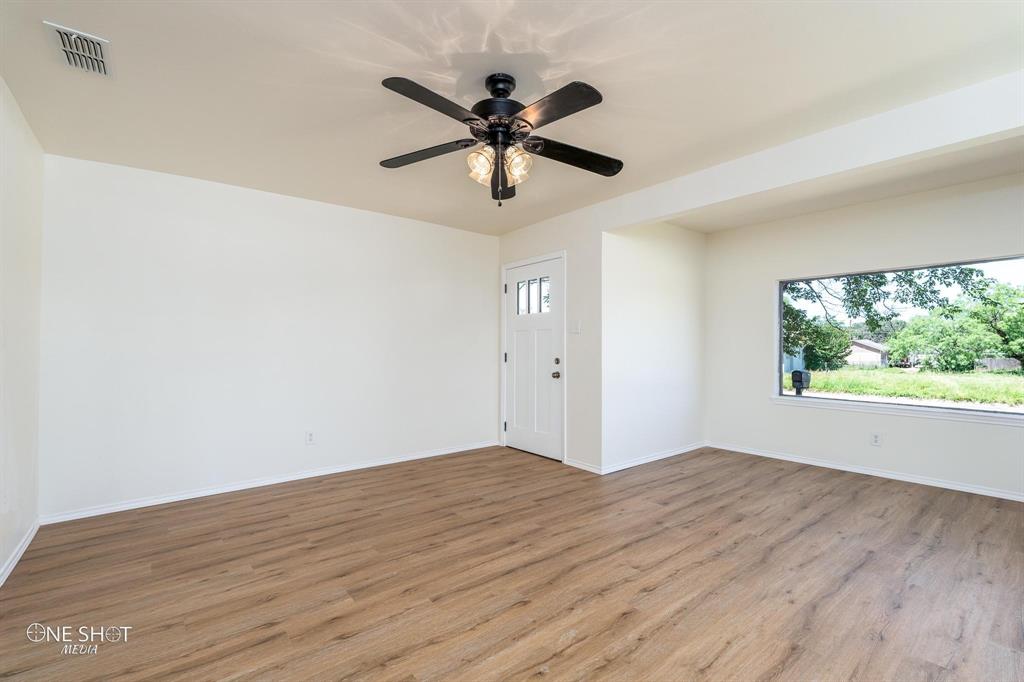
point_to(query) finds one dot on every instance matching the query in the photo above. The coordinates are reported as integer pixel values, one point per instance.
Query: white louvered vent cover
(81, 50)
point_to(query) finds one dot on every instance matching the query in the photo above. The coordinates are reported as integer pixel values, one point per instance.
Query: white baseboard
(579, 464)
(251, 483)
(12, 560)
(636, 461)
(881, 473)
(653, 457)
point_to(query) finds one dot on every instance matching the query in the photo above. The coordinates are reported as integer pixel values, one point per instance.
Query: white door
(535, 364)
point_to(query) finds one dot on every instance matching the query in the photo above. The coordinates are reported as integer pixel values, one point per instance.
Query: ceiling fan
(505, 127)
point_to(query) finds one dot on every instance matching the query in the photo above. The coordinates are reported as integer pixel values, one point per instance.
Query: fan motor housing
(499, 112)
(500, 84)
(497, 106)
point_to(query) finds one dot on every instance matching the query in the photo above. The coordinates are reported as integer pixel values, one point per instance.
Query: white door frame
(556, 255)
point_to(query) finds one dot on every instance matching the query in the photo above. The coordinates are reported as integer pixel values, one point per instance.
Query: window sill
(898, 410)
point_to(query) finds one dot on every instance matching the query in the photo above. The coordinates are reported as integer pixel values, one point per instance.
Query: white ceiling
(286, 96)
(953, 167)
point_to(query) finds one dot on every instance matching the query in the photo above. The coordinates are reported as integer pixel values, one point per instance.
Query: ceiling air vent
(81, 50)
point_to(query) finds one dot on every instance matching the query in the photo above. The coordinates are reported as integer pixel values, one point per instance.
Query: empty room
(503, 340)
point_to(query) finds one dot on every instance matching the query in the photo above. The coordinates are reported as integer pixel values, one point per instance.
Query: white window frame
(956, 414)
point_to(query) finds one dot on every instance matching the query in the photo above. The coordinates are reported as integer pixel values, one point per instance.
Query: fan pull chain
(500, 167)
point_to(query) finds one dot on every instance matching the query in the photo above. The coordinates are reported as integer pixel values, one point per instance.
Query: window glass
(545, 294)
(534, 296)
(521, 291)
(949, 336)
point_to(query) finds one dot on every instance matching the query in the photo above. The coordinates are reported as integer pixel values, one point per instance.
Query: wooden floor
(498, 565)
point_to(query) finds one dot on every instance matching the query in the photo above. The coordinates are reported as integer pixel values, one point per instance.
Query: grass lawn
(976, 387)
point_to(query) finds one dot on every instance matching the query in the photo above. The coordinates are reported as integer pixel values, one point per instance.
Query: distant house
(792, 362)
(866, 353)
(997, 363)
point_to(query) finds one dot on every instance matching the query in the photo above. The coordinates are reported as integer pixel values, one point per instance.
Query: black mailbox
(801, 380)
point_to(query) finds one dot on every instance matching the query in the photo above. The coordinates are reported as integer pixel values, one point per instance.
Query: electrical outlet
(876, 440)
(309, 438)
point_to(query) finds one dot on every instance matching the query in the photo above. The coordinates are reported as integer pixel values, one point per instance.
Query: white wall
(845, 156)
(582, 368)
(607, 426)
(973, 221)
(192, 332)
(653, 337)
(21, 198)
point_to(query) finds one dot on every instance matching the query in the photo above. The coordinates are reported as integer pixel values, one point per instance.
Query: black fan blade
(575, 96)
(428, 153)
(415, 91)
(499, 179)
(574, 156)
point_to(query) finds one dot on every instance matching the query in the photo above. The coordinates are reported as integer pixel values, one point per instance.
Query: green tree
(859, 330)
(1001, 310)
(947, 339)
(827, 346)
(874, 297)
(795, 325)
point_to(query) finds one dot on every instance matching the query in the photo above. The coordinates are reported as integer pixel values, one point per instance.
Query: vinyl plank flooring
(497, 565)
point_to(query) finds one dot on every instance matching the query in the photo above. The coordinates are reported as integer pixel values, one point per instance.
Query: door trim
(555, 255)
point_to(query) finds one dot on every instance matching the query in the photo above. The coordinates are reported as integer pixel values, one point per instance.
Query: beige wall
(653, 343)
(582, 370)
(21, 187)
(609, 427)
(193, 332)
(974, 221)
(619, 415)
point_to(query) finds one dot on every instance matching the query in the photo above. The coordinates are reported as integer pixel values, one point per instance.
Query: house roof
(870, 345)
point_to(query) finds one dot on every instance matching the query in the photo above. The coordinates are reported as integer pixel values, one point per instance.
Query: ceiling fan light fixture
(481, 163)
(502, 123)
(518, 164)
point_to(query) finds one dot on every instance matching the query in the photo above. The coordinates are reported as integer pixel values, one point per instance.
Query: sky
(1009, 271)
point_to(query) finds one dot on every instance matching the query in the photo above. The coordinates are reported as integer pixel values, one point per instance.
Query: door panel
(535, 328)
(542, 410)
(522, 371)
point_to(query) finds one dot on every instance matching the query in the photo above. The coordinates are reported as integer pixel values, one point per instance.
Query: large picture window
(949, 336)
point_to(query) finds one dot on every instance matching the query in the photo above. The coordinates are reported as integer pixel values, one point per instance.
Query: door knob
(555, 375)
